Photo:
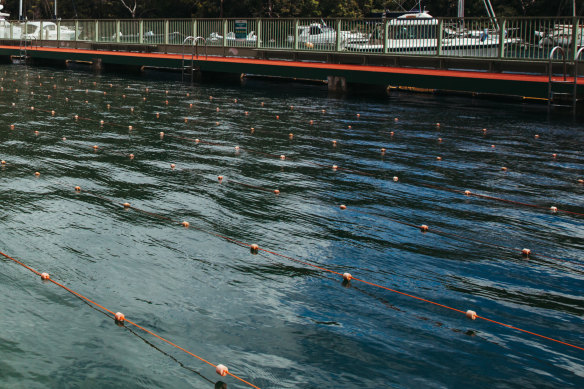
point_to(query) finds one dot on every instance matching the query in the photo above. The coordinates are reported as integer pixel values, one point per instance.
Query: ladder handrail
(576, 61)
(195, 41)
(550, 70)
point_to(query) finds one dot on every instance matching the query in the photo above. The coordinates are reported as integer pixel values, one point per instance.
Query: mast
(20, 11)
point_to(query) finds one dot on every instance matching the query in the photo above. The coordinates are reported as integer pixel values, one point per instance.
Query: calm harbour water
(272, 321)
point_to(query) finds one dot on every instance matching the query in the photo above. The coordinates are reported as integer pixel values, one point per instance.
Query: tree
(133, 9)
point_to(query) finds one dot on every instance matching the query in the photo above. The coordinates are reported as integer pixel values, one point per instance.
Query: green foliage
(101, 9)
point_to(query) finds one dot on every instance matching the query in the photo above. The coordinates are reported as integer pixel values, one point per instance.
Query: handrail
(195, 41)
(550, 69)
(576, 62)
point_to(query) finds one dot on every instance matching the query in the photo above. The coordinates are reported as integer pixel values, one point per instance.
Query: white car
(317, 34)
(33, 31)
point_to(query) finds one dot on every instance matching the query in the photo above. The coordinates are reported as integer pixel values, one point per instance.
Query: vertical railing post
(166, 31)
(296, 23)
(12, 31)
(58, 30)
(503, 28)
(118, 30)
(386, 36)
(96, 38)
(195, 28)
(224, 32)
(440, 34)
(41, 30)
(259, 34)
(574, 47)
(76, 30)
(338, 37)
(141, 31)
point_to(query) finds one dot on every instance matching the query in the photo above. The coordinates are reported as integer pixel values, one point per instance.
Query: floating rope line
(469, 193)
(254, 248)
(425, 228)
(120, 318)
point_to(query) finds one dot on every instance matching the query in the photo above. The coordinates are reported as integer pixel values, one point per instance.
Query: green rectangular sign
(240, 29)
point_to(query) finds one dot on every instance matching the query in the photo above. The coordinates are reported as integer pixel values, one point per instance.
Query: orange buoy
(536, 136)
(290, 135)
(166, 102)
(172, 165)
(526, 252)
(101, 122)
(484, 130)
(276, 191)
(147, 90)
(383, 150)
(424, 228)
(64, 138)
(471, 314)
(391, 133)
(77, 189)
(554, 209)
(235, 100)
(216, 123)
(220, 178)
(439, 139)
(131, 109)
(108, 106)
(358, 115)
(277, 117)
(210, 97)
(157, 115)
(291, 107)
(217, 109)
(395, 178)
(161, 134)
(343, 206)
(131, 156)
(32, 108)
(52, 113)
(554, 155)
(347, 276)
(95, 147)
(492, 146)
(335, 167)
(323, 111)
(186, 120)
(166, 92)
(3, 162)
(197, 140)
(311, 122)
(104, 93)
(282, 157)
(467, 192)
(581, 181)
(126, 205)
(439, 158)
(221, 370)
(130, 128)
(246, 113)
(45, 276)
(262, 103)
(185, 224)
(504, 168)
(252, 130)
(190, 105)
(349, 127)
(236, 147)
(76, 117)
(254, 248)
(334, 143)
(36, 132)
(188, 95)
(123, 96)
(37, 174)
(396, 119)
(119, 317)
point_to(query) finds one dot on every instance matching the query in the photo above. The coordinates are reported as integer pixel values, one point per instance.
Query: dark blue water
(275, 322)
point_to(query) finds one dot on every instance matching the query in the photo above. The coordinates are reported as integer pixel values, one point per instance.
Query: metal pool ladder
(563, 97)
(195, 44)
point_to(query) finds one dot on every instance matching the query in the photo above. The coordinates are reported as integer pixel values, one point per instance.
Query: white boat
(417, 34)
(216, 39)
(319, 35)
(5, 27)
(49, 31)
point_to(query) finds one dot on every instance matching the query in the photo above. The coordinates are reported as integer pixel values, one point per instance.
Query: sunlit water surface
(275, 322)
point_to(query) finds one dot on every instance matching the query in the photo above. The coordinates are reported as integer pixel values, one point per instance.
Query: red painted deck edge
(316, 65)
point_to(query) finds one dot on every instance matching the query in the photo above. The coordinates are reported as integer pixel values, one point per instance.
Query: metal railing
(509, 38)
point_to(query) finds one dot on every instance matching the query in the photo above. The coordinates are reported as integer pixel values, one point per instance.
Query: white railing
(511, 38)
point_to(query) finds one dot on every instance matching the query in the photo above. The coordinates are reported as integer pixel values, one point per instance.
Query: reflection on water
(273, 321)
